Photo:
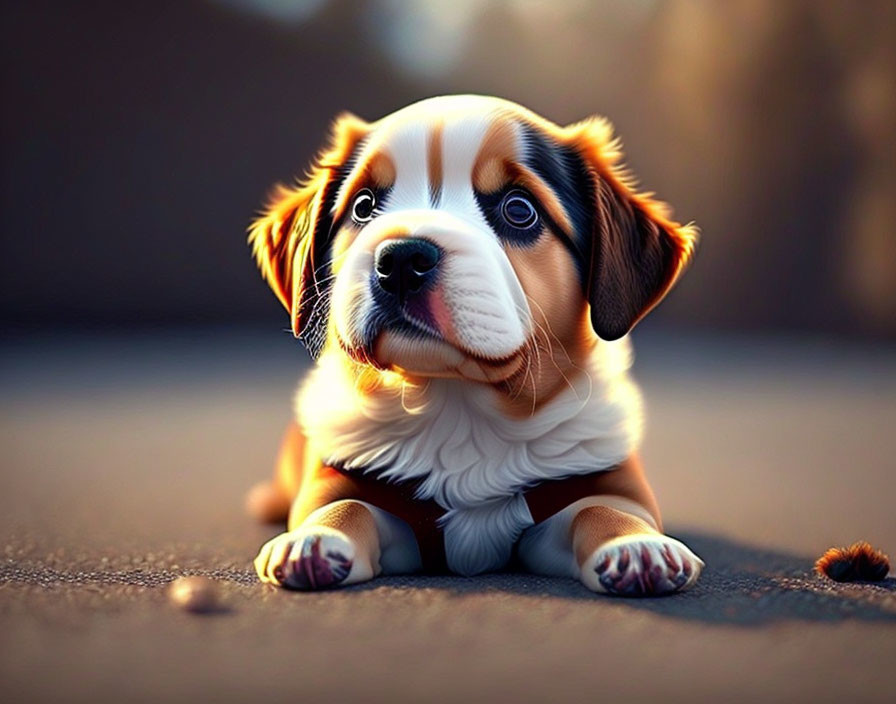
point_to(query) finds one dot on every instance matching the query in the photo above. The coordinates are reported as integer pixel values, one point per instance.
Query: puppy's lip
(432, 357)
(433, 335)
(366, 353)
(469, 364)
(491, 370)
(493, 361)
(441, 327)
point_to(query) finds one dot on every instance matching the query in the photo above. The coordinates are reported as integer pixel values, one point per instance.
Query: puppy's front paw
(647, 564)
(307, 558)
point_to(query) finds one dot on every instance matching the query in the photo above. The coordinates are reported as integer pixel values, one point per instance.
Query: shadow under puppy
(464, 272)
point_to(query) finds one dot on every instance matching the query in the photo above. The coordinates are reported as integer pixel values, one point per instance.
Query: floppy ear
(290, 238)
(637, 252)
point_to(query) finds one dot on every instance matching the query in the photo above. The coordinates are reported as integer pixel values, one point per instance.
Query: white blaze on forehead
(461, 122)
(395, 140)
(405, 144)
(461, 142)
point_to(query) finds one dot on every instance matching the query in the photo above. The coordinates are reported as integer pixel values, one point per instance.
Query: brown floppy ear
(290, 238)
(637, 252)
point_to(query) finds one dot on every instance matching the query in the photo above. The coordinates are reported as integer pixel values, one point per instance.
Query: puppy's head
(446, 238)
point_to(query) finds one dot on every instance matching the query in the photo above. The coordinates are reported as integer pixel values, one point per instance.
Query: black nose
(404, 267)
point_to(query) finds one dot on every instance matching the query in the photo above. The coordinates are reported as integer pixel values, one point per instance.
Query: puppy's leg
(344, 542)
(613, 546)
(269, 501)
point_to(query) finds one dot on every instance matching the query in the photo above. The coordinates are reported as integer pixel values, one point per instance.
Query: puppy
(464, 272)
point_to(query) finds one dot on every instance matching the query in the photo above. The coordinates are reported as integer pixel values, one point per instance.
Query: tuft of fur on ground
(858, 563)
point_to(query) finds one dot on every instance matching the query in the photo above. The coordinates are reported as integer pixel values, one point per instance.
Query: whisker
(549, 333)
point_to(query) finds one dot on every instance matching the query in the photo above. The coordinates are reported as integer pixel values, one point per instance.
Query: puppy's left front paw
(648, 564)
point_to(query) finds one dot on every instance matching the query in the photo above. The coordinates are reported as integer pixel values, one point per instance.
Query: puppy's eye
(518, 210)
(363, 206)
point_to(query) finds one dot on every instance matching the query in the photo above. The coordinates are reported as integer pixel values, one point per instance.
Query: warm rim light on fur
(276, 236)
(860, 562)
(595, 139)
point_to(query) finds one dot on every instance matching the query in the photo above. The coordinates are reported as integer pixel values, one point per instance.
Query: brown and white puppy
(465, 273)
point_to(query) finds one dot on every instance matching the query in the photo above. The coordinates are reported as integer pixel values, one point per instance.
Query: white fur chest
(468, 456)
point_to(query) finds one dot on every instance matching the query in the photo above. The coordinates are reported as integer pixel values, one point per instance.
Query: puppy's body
(454, 267)
(466, 453)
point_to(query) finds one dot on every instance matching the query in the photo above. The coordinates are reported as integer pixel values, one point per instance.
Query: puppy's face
(465, 236)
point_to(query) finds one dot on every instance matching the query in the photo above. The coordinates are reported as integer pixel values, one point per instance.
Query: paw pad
(312, 560)
(309, 569)
(642, 565)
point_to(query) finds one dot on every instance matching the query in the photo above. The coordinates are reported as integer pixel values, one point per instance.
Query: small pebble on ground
(194, 594)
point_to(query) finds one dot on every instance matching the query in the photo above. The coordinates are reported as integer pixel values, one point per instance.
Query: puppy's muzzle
(405, 268)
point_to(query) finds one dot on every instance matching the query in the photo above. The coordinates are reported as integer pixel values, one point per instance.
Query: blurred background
(139, 138)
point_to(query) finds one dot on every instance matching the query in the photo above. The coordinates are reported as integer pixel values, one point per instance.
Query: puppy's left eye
(518, 211)
(363, 206)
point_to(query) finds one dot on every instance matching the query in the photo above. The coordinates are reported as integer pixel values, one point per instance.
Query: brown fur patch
(497, 164)
(381, 170)
(498, 149)
(490, 176)
(355, 521)
(377, 171)
(858, 563)
(562, 337)
(545, 195)
(595, 525)
(626, 481)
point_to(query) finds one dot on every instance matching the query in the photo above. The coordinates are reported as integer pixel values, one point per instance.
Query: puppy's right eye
(363, 206)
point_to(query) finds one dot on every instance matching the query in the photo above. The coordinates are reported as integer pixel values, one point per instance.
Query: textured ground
(123, 463)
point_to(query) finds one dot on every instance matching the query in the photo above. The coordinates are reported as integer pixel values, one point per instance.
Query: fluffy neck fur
(452, 436)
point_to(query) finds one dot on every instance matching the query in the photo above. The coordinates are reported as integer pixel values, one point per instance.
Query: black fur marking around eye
(493, 210)
(566, 172)
(491, 206)
(315, 303)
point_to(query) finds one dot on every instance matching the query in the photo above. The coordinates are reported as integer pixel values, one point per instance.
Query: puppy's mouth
(413, 317)
(415, 335)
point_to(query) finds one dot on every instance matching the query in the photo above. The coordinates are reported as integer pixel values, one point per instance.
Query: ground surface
(124, 463)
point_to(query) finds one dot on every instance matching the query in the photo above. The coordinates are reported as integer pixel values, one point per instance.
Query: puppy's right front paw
(312, 558)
